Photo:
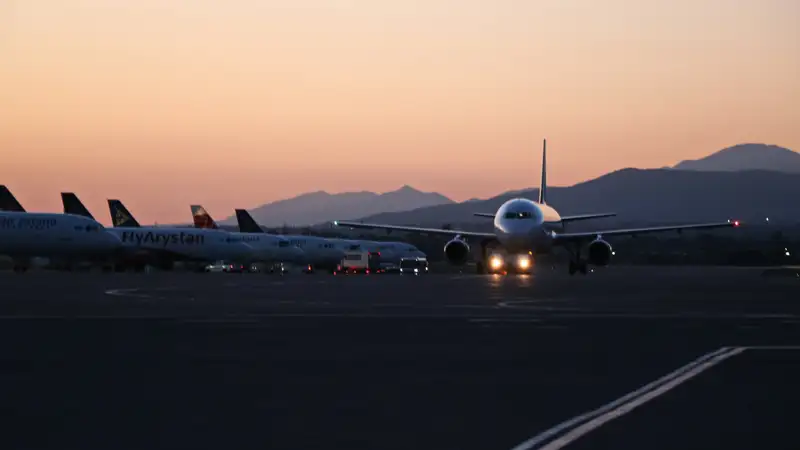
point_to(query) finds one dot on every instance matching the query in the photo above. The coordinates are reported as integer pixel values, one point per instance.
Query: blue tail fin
(8, 202)
(120, 216)
(246, 222)
(73, 205)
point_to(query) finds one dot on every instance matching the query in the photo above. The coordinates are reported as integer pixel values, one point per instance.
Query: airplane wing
(586, 217)
(341, 223)
(563, 218)
(572, 237)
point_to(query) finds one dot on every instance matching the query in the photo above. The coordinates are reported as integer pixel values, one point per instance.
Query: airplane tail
(8, 202)
(120, 216)
(246, 222)
(73, 205)
(202, 219)
(543, 185)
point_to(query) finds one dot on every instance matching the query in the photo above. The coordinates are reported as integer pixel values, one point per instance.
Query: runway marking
(772, 347)
(570, 430)
(128, 292)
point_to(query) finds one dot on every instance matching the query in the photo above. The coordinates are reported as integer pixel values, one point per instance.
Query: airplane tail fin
(8, 202)
(120, 216)
(246, 222)
(543, 185)
(202, 219)
(73, 205)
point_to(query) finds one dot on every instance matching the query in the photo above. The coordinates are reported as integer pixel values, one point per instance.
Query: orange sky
(235, 103)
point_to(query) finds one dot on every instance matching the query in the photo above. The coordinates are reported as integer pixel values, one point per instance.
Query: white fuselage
(393, 251)
(49, 234)
(317, 250)
(271, 248)
(523, 225)
(185, 243)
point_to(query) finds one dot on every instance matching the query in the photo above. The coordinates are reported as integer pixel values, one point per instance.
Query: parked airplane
(524, 227)
(269, 248)
(163, 246)
(319, 253)
(64, 237)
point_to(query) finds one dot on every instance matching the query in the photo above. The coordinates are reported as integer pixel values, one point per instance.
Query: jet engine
(456, 252)
(600, 252)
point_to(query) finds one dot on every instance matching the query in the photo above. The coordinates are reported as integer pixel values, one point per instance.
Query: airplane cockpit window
(518, 215)
(284, 244)
(92, 228)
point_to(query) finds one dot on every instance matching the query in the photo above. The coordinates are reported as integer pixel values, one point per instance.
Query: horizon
(246, 102)
(227, 217)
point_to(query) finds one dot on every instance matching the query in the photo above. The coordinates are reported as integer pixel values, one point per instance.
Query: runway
(625, 357)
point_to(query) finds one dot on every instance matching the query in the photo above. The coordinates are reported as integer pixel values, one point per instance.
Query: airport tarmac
(625, 357)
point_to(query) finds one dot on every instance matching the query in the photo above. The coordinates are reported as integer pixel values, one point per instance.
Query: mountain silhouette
(746, 157)
(320, 206)
(641, 196)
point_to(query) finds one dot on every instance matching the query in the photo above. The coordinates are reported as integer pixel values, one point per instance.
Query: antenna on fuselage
(543, 185)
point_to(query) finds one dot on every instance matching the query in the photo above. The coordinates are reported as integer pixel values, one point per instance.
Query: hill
(320, 206)
(746, 157)
(641, 197)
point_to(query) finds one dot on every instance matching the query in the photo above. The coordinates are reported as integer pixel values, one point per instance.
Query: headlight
(496, 262)
(523, 262)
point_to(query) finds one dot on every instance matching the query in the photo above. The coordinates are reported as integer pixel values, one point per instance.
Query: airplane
(318, 252)
(26, 235)
(162, 246)
(327, 252)
(526, 228)
(269, 248)
(392, 251)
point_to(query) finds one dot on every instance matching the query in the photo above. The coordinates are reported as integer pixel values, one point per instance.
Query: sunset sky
(235, 103)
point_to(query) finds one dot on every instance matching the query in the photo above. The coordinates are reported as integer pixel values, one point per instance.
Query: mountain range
(746, 181)
(641, 196)
(746, 157)
(316, 207)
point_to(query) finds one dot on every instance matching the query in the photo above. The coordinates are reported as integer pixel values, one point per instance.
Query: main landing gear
(576, 264)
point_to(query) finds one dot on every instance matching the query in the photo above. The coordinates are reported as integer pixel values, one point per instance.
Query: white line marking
(610, 411)
(130, 292)
(772, 347)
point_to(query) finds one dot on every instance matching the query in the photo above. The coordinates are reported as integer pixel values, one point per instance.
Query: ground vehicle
(225, 266)
(414, 266)
(360, 261)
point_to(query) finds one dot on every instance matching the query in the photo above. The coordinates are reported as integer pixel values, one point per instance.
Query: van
(413, 266)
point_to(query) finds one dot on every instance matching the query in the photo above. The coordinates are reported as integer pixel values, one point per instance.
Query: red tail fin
(201, 218)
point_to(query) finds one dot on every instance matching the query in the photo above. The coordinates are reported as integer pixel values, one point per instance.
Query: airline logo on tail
(202, 219)
(120, 216)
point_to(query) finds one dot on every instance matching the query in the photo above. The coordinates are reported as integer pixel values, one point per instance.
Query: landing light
(496, 262)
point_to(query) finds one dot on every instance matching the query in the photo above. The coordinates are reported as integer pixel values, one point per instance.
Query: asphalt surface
(400, 362)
